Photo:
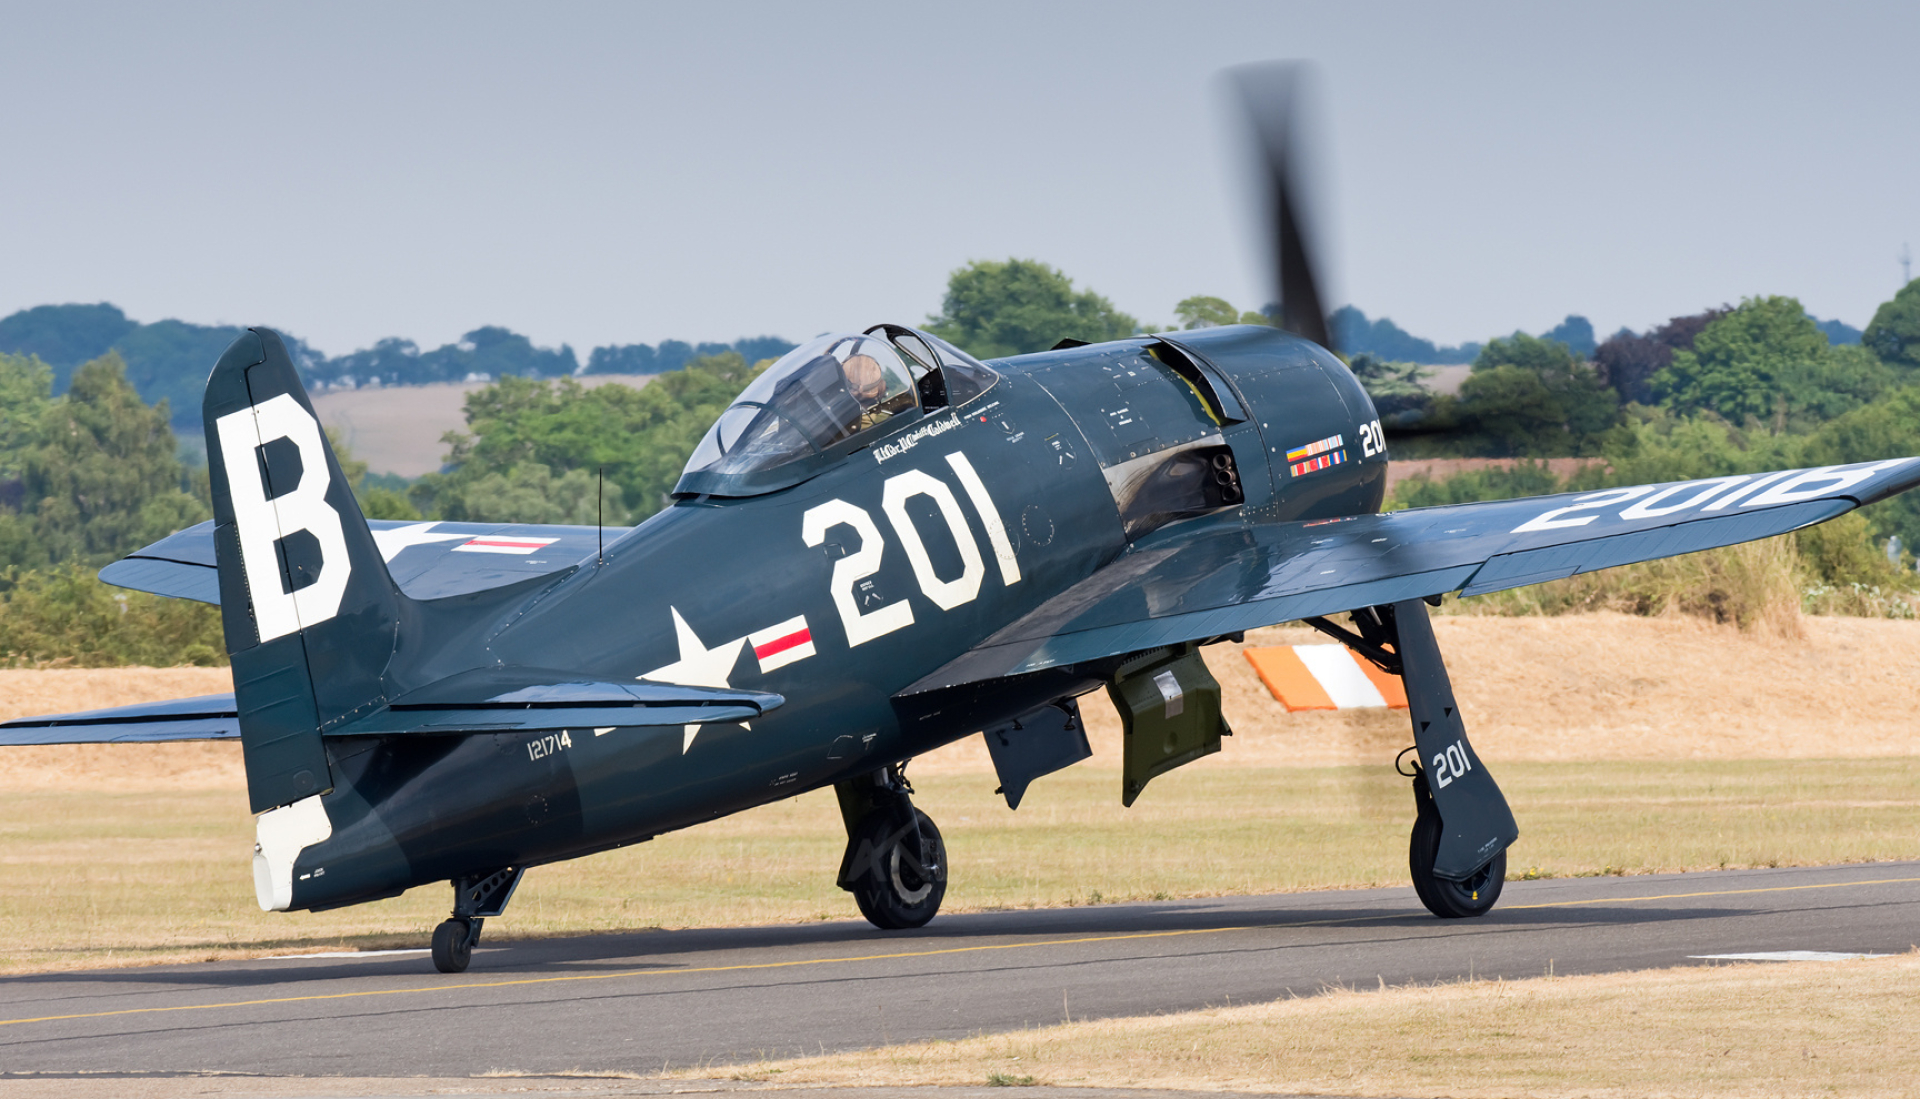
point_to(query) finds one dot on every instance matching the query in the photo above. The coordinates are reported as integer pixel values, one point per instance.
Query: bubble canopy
(825, 399)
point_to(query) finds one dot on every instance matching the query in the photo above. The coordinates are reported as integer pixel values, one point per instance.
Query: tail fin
(310, 613)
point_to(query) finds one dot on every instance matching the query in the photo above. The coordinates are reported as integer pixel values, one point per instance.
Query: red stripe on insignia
(510, 542)
(782, 644)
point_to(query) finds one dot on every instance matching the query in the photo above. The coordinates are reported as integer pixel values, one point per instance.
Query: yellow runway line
(1712, 893)
(913, 953)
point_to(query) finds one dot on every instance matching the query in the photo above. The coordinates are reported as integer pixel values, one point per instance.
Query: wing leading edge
(1222, 574)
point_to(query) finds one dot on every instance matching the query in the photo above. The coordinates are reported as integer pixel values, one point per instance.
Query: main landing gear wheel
(453, 943)
(1447, 899)
(1444, 897)
(900, 876)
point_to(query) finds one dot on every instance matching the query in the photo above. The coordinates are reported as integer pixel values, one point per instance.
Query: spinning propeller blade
(1275, 97)
(1270, 93)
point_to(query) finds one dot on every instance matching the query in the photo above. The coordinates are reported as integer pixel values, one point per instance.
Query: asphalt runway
(646, 1001)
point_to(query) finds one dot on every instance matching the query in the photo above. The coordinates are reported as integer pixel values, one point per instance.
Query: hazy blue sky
(611, 173)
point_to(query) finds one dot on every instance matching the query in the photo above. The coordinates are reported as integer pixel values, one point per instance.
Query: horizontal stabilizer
(428, 560)
(173, 579)
(499, 699)
(459, 720)
(208, 717)
(435, 710)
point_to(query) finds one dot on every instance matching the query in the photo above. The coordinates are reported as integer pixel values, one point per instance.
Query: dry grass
(1839, 1028)
(108, 767)
(1602, 686)
(117, 854)
(1754, 585)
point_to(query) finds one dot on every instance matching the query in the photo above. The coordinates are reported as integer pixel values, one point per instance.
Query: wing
(428, 560)
(1223, 574)
(488, 701)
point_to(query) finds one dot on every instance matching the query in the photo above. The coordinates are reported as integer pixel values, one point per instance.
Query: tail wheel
(900, 877)
(453, 945)
(1447, 899)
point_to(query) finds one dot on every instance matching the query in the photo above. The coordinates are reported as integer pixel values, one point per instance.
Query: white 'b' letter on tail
(262, 522)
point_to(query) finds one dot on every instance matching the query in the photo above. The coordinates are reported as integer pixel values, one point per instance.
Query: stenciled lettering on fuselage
(1708, 496)
(895, 448)
(543, 746)
(264, 521)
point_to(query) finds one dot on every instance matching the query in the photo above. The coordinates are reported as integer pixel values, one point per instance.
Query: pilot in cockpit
(868, 383)
(830, 389)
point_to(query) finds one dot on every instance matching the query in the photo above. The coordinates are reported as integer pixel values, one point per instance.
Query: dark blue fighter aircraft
(884, 545)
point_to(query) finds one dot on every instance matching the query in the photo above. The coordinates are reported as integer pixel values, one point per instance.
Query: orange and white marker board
(1325, 677)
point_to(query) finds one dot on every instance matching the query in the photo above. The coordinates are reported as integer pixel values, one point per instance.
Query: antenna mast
(1906, 265)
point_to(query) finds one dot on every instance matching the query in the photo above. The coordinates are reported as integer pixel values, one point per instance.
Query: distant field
(1439, 469)
(397, 429)
(1449, 377)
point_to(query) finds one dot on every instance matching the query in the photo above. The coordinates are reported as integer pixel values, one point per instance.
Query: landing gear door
(1476, 822)
(1170, 713)
(1035, 744)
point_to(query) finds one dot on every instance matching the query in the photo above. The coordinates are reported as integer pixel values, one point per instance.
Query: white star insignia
(698, 666)
(391, 542)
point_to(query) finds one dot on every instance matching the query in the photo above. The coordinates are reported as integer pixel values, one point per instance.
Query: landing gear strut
(896, 863)
(474, 900)
(1462, 825)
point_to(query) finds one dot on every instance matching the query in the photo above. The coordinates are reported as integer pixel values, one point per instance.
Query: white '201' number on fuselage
(1451, 764)
(848, 571)
(1372, 440)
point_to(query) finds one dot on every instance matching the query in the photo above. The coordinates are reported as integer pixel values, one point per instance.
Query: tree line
(90, 471)
(168, 360)
(85, 478)
(1738, 389)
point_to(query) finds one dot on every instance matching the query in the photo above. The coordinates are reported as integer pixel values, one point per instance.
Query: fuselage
(841, 591)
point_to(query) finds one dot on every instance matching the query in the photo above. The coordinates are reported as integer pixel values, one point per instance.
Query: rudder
(310, 614)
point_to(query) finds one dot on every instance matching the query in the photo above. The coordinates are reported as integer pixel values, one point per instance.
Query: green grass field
(110, 879)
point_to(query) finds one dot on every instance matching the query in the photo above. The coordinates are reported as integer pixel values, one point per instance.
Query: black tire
(896, 886)
(452, 947)
(1451, 900)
